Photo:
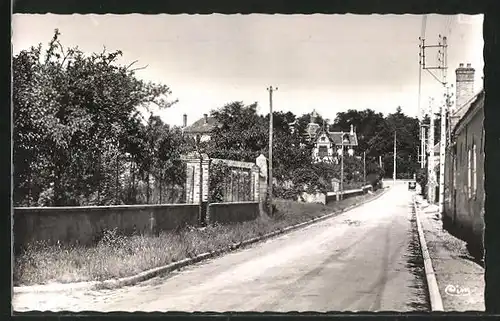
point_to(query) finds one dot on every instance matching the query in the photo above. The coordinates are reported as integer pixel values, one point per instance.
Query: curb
(434, 295)
(185, 262)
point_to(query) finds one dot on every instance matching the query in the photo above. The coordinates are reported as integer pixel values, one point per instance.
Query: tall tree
(241, 133)
(72, 113)
(367, 124)
(407, 142)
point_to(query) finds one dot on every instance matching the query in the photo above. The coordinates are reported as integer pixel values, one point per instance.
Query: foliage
(241, 134)
(219, 172)
(77, 126)
(80, 139)
(283, 192)
(422, 179)
(367, 124)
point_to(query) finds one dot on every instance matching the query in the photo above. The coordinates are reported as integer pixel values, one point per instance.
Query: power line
(421, 113)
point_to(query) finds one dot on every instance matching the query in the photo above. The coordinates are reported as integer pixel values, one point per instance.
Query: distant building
(200, 129)
(327, 144)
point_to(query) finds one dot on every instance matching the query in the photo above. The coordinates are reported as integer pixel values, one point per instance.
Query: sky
(330, 63)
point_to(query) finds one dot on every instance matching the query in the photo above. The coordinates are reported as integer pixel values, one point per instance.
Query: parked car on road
(412, 185)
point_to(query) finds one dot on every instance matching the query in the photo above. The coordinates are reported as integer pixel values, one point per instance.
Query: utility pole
(442, 68)
(270, 187)
(430, 161)
(424, 144)
(421, 113)
(442, 142)
(394, 170)
(423, 147)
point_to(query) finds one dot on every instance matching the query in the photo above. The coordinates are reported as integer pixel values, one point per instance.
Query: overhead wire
(422, 36)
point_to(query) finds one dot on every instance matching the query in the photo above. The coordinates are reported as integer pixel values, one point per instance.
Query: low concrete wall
(84, 225)
(335, 196)
(233, 212)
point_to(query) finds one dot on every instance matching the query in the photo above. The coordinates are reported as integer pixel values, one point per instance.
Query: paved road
(357, 261)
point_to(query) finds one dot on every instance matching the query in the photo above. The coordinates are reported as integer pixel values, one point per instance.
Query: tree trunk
(132, 182)
(147, 187)
(30, 186)
(117, 180)
(99, 178)
(161, 189)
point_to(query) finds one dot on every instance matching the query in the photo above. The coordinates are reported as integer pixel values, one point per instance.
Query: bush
(220, 174)
(422, 179)
(267, 204)
(374, 180)
(285, 193)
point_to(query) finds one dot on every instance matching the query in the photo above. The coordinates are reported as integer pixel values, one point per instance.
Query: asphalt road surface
(361, 260)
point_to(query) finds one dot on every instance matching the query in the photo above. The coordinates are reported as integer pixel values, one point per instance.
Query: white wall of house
(323, 151)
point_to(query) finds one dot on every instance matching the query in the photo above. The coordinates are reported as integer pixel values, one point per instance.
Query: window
(323, 151)
(469, 172)
(474, 172)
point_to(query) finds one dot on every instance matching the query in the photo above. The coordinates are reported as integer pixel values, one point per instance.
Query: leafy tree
(367, 123)
(73, 115)
(241, 135)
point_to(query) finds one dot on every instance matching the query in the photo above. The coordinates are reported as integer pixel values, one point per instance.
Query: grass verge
(117, 256)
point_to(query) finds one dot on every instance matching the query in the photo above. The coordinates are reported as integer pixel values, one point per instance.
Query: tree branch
(133, 62)
(140, 68)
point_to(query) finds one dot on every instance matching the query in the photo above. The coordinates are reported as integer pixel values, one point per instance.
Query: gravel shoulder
(460, 279)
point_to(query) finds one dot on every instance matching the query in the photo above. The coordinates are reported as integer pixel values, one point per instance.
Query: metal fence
(239, 186)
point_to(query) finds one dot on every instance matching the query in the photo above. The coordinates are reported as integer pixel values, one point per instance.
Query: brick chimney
(314, 115)
(352, 129)
(205, 116)
(464, 84)
(184, 120)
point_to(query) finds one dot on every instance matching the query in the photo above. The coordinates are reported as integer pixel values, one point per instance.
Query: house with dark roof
(200, 129)
(328, 145)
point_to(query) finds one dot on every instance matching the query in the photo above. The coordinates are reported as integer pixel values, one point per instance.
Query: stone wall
(233, 212)
(257, 181)
(84, 225)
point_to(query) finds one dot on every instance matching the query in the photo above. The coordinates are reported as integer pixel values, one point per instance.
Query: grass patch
(117, 256)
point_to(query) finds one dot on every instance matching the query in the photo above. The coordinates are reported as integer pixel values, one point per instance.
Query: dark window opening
(323, 151)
